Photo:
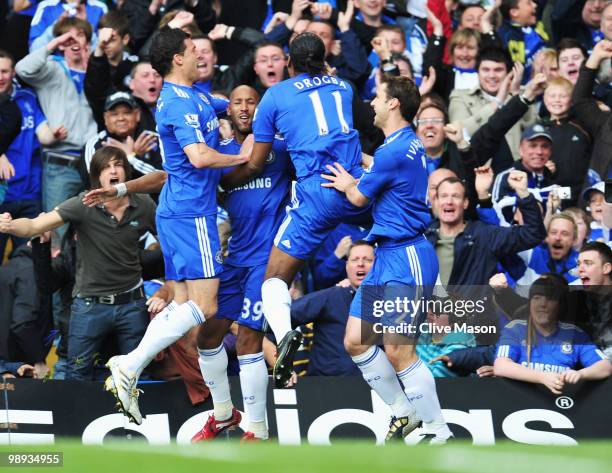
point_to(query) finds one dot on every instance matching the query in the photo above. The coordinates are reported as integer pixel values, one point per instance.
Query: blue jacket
(10, 366)
(530, 265)
(329, 310)
(480, 246)
(468, 360)
(328, 269)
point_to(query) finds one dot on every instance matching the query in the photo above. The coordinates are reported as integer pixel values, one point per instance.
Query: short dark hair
(6, 55)
(570, 43)
(357, 243)
(462, 8)
(200, 35)
(307, 54)
(393, 28)
(167, 43)
(116, 20)
(453, 180)
(101, 159)
(435, 105)
(604, 250)
(506, 6)
(406, 91)
(495, 54)
(66, 24)
(328, 23)
(264, 44)
(137, 65)
(397, 57)
(435, 99)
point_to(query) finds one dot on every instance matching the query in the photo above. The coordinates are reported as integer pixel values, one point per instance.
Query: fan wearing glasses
(443, 143)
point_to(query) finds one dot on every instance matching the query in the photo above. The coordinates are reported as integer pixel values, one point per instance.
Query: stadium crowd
(515, 119)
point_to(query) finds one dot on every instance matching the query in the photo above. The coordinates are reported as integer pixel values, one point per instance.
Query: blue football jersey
(217, 103)
(24, 151)
(314, 116)
(567, 348)
(257, 208)
(397, 183)
(184, 118)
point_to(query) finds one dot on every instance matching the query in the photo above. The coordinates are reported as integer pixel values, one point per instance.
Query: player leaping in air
(312, 111)
(186, 214)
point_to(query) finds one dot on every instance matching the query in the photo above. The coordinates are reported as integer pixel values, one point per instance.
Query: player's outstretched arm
(246, 172)
(342, 181)
(29, 227)
(151, 183)
(202, 156)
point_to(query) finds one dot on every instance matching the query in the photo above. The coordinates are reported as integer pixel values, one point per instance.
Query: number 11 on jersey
(319, 112)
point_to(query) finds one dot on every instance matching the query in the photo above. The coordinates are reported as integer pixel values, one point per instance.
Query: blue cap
(536, 131)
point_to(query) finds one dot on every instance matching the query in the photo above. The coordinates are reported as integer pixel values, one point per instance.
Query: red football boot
(214, 427)
(249, 437)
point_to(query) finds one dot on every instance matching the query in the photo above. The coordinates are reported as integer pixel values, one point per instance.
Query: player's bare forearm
(255, 166)
(241, 175)
(202, 156)
(355, 197)
(151, 183)
(214, 159)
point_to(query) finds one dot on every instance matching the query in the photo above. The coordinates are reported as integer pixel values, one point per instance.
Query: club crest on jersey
(567, 348)
(271, 157)
(219, 257)
(192, 120)
(204, 98)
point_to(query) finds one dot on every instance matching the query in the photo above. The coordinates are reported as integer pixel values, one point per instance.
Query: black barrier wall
(319, 411)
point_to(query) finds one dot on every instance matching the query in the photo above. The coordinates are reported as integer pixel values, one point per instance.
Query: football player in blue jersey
(312, 112)
(405, 268)
(186, 214)
(256, 210)
(545, 351)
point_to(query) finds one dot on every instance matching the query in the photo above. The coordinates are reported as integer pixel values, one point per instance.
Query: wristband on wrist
(525, 100)
(121, 189)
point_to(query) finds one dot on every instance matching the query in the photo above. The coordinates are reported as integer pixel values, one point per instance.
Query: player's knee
(249, 341)
(209, 337)
(207, 340)
(208, 308)
(352, 346)
(395, 356)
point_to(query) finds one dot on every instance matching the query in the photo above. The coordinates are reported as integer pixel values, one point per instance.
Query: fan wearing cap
(543, 350)
(535, 151)
(122, 129)
(594, 196)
